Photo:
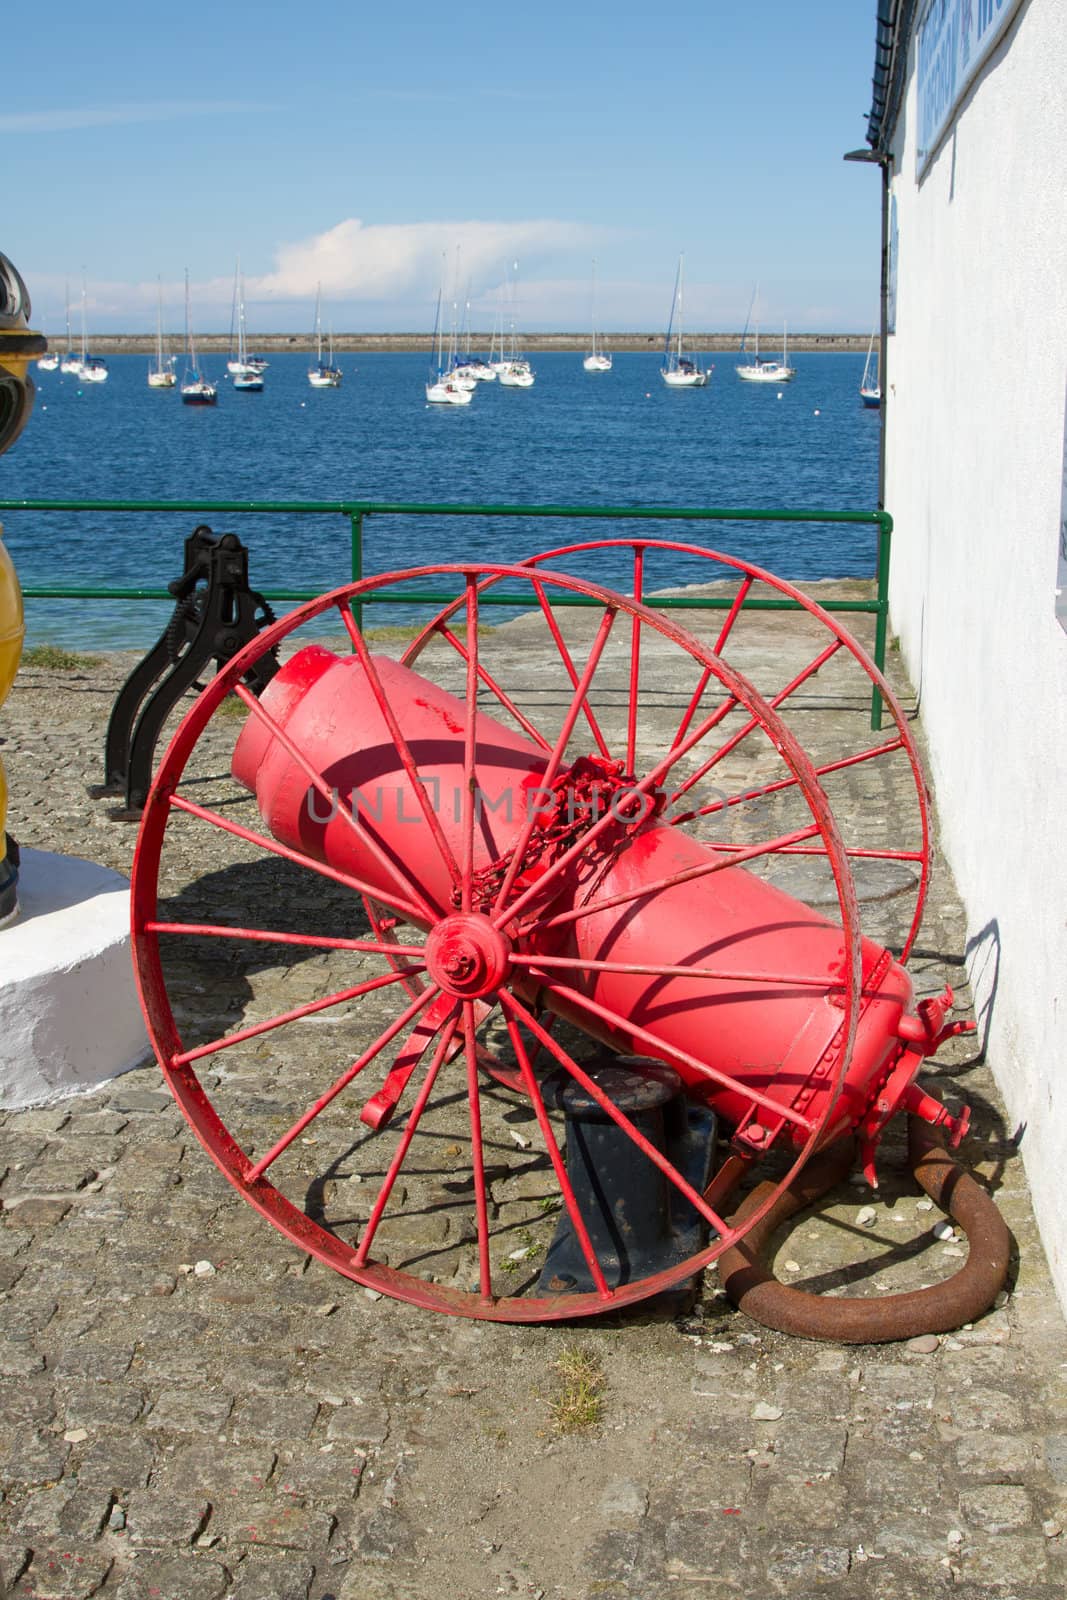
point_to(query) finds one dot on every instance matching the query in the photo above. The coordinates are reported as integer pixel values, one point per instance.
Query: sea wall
(975, 425)
(533, 343)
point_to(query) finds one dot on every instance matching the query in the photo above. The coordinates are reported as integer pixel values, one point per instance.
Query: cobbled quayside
(194, 1410)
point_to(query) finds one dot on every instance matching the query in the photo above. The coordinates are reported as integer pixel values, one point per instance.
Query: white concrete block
(69, 1014)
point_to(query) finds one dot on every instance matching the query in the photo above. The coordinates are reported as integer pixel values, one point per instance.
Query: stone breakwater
(533, 343)
(194, 1409)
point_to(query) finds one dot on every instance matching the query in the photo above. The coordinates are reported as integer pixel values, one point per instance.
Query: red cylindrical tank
(770, 1020)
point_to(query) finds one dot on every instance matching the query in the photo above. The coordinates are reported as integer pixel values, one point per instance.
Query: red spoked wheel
(438, 973)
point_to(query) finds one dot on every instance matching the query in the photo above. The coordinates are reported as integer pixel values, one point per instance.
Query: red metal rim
(457, 1023)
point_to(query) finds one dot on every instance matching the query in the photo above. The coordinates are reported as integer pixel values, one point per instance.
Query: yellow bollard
(19, 345)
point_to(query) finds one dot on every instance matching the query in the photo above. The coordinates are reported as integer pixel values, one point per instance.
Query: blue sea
(575, 439)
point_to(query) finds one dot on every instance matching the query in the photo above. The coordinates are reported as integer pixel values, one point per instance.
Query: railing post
(357, 564)
(881, 626)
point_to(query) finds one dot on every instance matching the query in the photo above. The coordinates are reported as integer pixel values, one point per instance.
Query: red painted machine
(528, 872)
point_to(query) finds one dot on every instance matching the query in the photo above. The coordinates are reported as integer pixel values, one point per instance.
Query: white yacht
(678, 370)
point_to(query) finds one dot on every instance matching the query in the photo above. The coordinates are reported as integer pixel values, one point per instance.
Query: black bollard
(637, 1220)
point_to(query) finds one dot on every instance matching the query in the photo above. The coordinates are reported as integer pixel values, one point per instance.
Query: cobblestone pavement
(195, 1410)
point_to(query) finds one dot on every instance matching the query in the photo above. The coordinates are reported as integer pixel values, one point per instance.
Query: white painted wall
(977, 376)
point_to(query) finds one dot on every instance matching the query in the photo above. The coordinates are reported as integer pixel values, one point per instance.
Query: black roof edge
(895, 21)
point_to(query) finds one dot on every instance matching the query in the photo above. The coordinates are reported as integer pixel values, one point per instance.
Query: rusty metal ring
(754, 1289)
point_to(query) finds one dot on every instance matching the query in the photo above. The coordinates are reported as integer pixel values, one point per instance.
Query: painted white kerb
(69, 1016)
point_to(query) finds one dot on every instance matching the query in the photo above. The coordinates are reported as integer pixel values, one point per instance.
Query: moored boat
(679, 371)
(598, 359)
(871, 382)
(91, 369)
(764, 370)
(69, 362)
(324, 374)
(162, 375)
(443, 388)
(196, 390)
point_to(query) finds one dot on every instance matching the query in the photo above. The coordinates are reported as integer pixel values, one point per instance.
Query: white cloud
(72, 118)
(397, 261)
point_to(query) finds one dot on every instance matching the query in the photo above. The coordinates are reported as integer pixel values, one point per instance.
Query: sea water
(576, 439)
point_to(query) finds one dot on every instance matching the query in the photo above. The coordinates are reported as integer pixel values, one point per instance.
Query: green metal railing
(359, 512)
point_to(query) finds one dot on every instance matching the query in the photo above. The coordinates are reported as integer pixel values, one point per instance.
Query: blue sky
(377, 149)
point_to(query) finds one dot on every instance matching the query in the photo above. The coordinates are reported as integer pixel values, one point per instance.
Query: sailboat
(513, 370)
(161, 376)
(443, 388)
(324, 374)
(48, 363)
(764, 371)
(678, 371)
(248, 375)
(196, 390)
(497, 358)
(92, 369)
(246, 370)
(597, 360)
(70, 362)
(871, 383)
(469, 366)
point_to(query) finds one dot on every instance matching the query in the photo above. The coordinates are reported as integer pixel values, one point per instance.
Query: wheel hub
(467, 956)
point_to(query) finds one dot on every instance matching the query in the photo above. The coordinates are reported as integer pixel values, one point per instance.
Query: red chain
(580, 797)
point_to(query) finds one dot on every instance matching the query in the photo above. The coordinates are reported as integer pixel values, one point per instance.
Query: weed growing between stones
(53, 658)
(580, 1402)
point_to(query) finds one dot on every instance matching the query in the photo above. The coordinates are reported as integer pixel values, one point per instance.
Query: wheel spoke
(470, 749)
(407, 1015)
(735, 739)
(746, 795)
(854, 852)
(494, 688)
(568, 662)
(570, 1199)
(403, 749)
(474, 1100)
(705, 676)
(407, 884)
(282, 1018)
(663, 1051)
(635, 660)
(276, 848)
(653, 969)
(271, 936)
(441, 1050)
(578, 700)
(735, 858)
(620, 1118)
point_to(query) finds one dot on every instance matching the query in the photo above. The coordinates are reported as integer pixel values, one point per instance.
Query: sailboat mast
(681, 275)
(190, 347)
(233, 311)
(674, 310)
(593, 317)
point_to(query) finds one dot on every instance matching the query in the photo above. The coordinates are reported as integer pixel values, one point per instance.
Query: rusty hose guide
(754, 1289)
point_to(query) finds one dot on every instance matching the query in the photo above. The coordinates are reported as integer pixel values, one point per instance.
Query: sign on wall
(955, 38)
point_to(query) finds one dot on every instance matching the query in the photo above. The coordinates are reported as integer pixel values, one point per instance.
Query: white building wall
(977, 376)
